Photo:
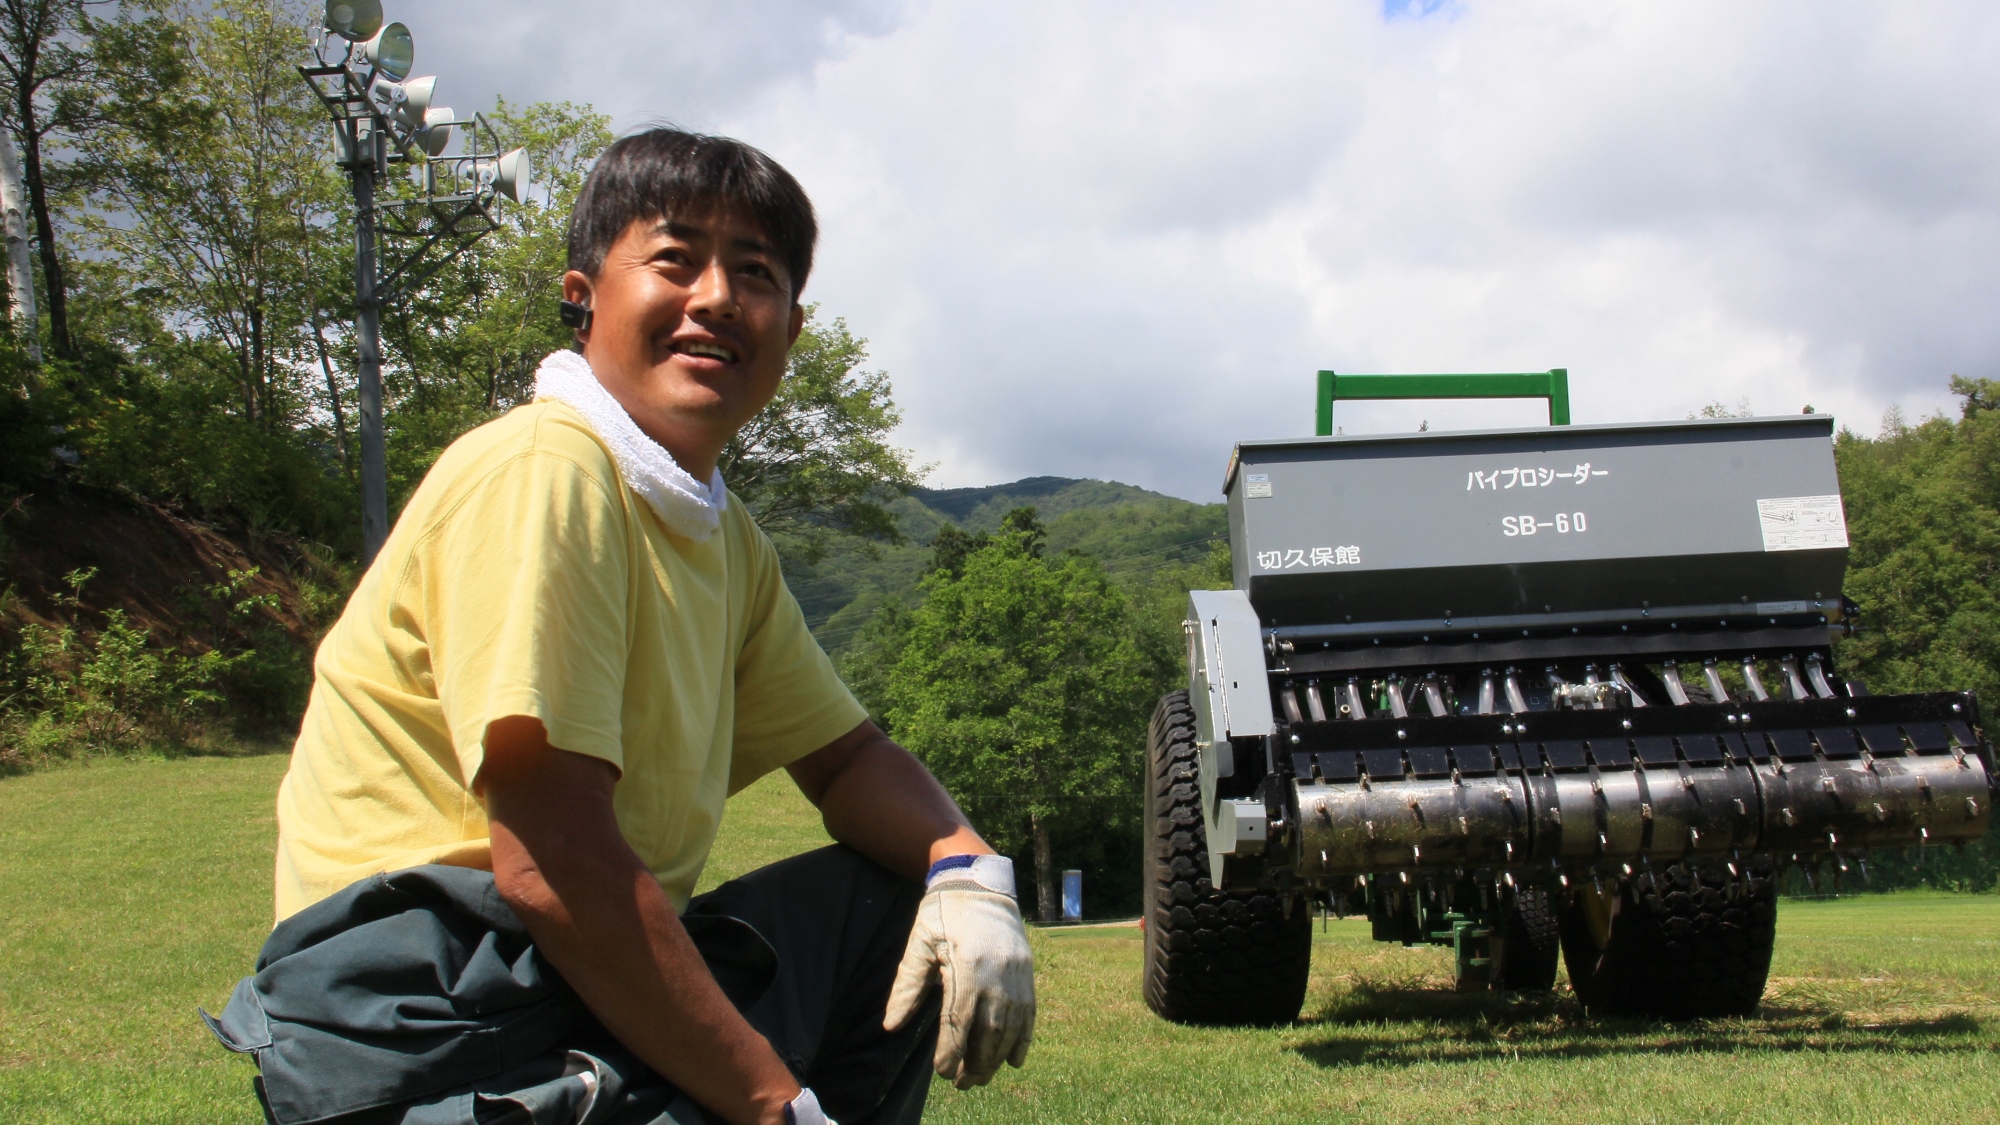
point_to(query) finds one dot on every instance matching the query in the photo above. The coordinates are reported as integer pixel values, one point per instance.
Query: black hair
(665, 172)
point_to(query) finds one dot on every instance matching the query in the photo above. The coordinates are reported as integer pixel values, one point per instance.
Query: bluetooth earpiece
(573, 315)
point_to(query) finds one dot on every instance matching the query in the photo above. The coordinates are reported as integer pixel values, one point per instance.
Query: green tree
(463, 349)
(221, 276)
(817, 462)
(1020, 676)
(213, 215)
(1160, 605)
(65, 77)
(205, 213)
(51, 82)
(1923, 513)
(1923, 518)
(951, 546)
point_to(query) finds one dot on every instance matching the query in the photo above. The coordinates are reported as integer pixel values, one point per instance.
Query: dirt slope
(153, 563)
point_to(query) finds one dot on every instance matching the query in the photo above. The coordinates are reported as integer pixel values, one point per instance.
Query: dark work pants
(417, 998)
(838, 924)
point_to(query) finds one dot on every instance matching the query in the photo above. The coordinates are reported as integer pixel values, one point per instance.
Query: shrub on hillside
(69, 691)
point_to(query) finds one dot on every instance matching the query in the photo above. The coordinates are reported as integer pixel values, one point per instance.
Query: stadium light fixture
(405, 102)
(354, 20)
(510, 175)
(434, 136)
(382, 116)
(391, 51)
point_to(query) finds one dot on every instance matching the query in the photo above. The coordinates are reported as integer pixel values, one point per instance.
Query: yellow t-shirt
(524, 578)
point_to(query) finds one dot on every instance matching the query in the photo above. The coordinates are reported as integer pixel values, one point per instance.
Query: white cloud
(686, 62)
(1109, 239)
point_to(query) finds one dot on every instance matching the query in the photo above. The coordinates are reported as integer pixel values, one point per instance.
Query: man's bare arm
(967, 942)
(602, 920)
(876, 798)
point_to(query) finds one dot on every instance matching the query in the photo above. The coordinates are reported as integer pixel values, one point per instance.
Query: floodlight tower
(382, 116)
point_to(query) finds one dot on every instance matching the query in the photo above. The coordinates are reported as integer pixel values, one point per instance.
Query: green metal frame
(1422, 920)
(1552, 385)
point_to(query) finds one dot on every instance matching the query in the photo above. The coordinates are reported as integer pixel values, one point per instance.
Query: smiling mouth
(705, 350)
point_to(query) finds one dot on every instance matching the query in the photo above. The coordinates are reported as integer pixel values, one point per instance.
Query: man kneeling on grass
(573, 647)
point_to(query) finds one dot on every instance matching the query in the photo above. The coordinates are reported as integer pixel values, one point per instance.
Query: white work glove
(968, 938)
(805, 1110)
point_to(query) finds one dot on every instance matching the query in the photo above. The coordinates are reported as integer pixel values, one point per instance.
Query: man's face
(691, 321)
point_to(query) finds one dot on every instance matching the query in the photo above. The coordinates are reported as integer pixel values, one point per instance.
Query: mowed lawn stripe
(132, 891)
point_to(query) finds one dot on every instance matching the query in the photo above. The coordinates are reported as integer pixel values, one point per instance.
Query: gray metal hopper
(1496, 688)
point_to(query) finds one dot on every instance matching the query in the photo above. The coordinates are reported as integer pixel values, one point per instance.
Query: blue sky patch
(1417, 9)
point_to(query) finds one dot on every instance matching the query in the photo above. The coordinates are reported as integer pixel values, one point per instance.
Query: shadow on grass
(1417, 1001)
(1443, 1026)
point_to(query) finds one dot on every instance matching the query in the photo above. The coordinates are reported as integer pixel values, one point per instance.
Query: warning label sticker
(1802, 523)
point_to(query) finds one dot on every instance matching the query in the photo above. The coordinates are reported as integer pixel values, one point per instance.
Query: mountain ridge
(981, 508)
(1131, 530)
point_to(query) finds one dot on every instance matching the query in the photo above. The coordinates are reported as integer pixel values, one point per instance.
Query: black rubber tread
(1533, 942)
(1689, 942)
(1211, 957)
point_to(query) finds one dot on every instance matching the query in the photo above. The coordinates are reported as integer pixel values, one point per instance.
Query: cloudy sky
(1108, 239)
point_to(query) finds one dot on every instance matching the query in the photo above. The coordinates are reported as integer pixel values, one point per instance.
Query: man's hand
(879, 800)
(602, 920)
(968, 939)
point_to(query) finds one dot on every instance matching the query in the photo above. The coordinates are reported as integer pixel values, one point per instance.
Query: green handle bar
(1552, 385)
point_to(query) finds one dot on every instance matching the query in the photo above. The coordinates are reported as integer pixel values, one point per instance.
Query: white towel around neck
(687, 506)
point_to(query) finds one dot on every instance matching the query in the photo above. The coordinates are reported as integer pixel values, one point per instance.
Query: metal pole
(368, 340)
(364, 139)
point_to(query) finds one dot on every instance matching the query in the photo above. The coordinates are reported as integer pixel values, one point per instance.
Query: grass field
(132, 891)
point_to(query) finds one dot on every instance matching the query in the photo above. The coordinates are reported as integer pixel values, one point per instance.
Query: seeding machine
(1563, 691)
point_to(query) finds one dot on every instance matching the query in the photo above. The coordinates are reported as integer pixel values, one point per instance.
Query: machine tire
(1686, 943)
(1533, 942)
(1211, 957)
